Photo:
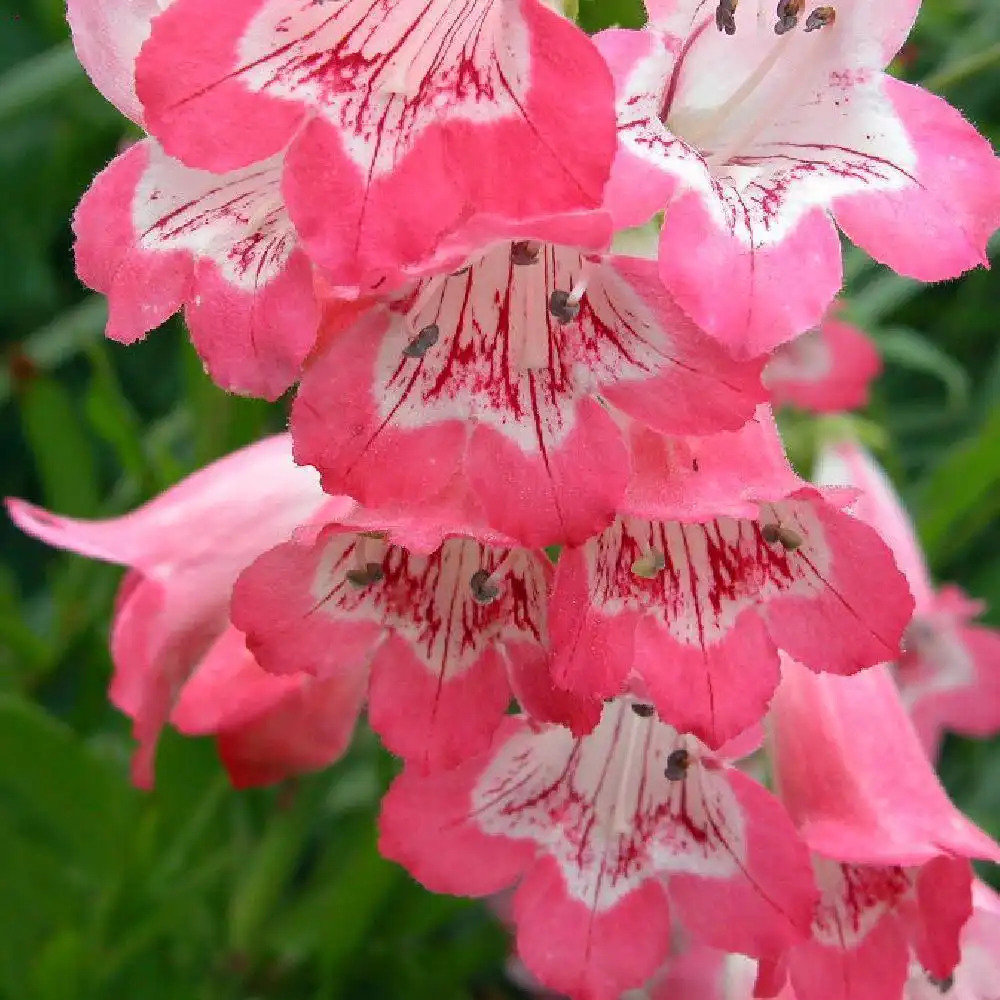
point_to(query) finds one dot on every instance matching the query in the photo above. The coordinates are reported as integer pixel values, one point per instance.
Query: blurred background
(197, 891)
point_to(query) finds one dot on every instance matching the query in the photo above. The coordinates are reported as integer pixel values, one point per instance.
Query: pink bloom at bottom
(175, 653)
(607, 834)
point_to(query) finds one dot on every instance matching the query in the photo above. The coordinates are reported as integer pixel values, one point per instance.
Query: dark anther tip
(678, 762)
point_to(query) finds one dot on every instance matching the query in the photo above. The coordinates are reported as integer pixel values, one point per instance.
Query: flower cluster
(406, 208)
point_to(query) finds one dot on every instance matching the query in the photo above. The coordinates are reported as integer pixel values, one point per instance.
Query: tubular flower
(750, 163)
(827, 369)
(455, 111)
(509, 374)
(948, 672)
(606, 834)
(445, 637)
(175, 652)
(890, 850)
(687, 603)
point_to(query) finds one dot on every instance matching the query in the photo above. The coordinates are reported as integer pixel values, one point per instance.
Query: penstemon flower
(751, 128)
(546, 478)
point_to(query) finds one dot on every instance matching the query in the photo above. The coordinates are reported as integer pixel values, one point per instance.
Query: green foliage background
(195, 891)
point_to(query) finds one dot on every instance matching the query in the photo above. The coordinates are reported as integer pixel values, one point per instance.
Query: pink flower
(827, 369)
(446, 636)
(890, 850)
(175, 653)
(156, 236)
(513, 376)
(606, 834)
(687, 597)
(751, 163)
(402, 121)
(949, 670)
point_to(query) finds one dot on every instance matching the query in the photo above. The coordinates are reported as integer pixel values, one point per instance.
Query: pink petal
(471, 97)
(694, 478)
(847, 463)
(855, 777)
(502, 391)
(107, 36)
(825, 370)
(583, 952)
(937, 225)
(221, 246)
(218, 518)
(700, 634)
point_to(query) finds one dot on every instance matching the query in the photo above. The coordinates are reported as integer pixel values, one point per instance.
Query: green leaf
(57, 791)
(911, 350)
(41, 80)
(59, 445)
(962, 493)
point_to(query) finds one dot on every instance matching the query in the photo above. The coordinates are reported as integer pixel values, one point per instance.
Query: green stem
(958, 71)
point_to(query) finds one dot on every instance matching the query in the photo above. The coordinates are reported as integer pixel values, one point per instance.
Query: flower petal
(155, 235)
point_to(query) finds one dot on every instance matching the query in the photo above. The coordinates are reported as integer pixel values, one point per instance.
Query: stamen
(942, 985)
(525, 252)
(725, 16)
(485, 590)
(642, 710)
(562, 308)
(429, 289)
(777, 534)
(365, 575)
(423, 341)
(788, 15)
(649, 565)
(678, 762)
(621, 822)
(820, 18)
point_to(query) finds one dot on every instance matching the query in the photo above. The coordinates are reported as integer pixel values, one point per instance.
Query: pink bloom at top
(949, 671)
(513, 375)
(175, 653)
(827, 369)
(156, 236)
(441, 638)
(606, 833)
(687, 597)
(402, 119)
(750, 141)
(890, 849)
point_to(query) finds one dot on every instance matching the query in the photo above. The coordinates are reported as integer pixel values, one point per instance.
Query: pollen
(366, 575)
(820, 18)
(524, 252)
(649, 565)
(643, 710)
(678, 763)
(423, 341)
(562, 307)
(484, 590)
(725, 16)
(777, 534)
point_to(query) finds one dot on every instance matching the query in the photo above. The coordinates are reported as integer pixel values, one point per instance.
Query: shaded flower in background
(176, 655)
(949, 669)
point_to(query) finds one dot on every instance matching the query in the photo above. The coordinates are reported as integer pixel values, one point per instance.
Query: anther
(725, 16)
(777, 534)
(820, 18)
(943, 985)
(423, 341)
(649, 565)
(484, 590)
(642, 710)
(366, 575)
(562, 307)
(788, 15)
(678, 762)
(525, 252)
